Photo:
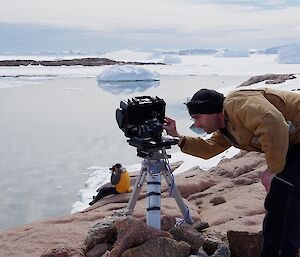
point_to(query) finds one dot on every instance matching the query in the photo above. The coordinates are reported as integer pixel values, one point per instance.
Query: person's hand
(170, 126)
(266, 179)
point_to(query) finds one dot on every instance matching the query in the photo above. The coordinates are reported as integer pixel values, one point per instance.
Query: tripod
(153, 165)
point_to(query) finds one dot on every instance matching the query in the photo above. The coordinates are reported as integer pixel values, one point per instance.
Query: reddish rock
(131, 233)
(99, 250)
(244, 244)
(217, 200)
(270, 79)
(64, 252)
(159, 247)
(200, 226)
(211, 245)
(104, 231)
(167, 222)
(189, 234)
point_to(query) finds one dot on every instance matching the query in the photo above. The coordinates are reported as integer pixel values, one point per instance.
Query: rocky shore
(226, 204)
(71, 62)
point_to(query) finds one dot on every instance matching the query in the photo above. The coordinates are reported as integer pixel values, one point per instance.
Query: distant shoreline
(72, 62)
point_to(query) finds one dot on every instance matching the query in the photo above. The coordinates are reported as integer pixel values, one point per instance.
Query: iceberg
(123, 73)
(289, 54)
(127, 79)
(232, 53)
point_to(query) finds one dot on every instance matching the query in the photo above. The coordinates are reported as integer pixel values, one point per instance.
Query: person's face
(208, 122)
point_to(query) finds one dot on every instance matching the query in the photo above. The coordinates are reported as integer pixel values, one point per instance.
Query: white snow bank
(98, 177)
(127, 73)
(289, 54)
(232, 53)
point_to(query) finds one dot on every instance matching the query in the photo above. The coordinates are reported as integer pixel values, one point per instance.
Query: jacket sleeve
(205, 149)
(115, 178)
(268, 125)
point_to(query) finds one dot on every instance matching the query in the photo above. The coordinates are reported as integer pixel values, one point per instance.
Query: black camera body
(141, 119)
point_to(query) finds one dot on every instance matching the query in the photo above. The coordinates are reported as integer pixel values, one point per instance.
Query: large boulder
(159, 247)
(132, 232)
(244, 244)
(189, 234)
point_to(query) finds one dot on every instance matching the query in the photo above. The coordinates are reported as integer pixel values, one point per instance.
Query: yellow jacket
(264, 120)
(123, 186)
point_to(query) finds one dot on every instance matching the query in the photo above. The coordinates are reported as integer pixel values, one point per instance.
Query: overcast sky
(103, 25)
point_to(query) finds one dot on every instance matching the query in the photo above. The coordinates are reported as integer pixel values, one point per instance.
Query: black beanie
(205, 101)
(116, 166)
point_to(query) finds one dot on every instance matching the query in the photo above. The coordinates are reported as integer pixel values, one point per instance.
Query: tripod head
(147, 149)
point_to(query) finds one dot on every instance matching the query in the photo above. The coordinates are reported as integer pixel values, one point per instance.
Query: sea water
(53, 129)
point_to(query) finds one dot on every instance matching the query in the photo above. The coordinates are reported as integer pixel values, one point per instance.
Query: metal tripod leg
(153, 168)
(137, 188)
(154, 192)
(175, 192)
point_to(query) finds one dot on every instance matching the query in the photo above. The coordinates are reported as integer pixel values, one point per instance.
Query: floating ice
(127, 73)
(127, 79)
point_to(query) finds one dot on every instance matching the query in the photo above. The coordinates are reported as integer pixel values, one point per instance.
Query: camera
(141, 119)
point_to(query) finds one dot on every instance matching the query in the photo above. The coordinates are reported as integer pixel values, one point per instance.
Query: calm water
(53, 130)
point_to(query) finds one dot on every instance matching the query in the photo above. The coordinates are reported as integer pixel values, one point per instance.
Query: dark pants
(105, 191)
(281, 228)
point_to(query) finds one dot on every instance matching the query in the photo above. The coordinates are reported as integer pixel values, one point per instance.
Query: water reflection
(126, 87)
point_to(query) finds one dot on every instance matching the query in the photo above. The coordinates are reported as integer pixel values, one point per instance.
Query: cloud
(192, 22)
(108, 15)
(258, 4)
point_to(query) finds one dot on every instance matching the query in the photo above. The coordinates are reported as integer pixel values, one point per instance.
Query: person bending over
(120, 180)
(263, 120)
